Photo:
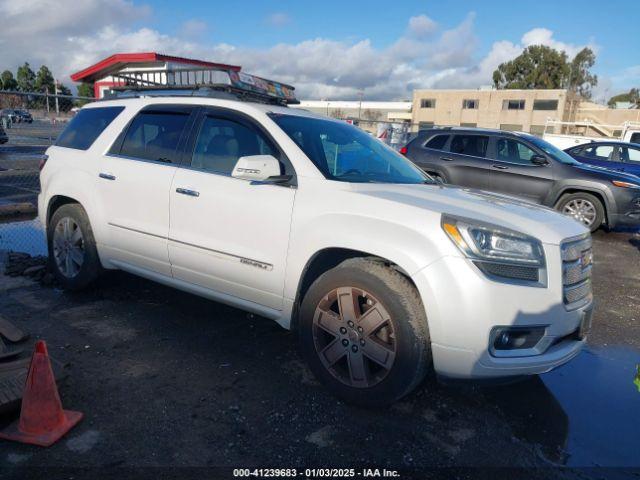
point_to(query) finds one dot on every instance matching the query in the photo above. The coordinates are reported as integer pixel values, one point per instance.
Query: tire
(587, 207)
(399, 339)
(75, 275)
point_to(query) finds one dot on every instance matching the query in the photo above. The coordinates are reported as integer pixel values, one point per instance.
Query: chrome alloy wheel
(582, 210)
(68, 247)
(354, 337)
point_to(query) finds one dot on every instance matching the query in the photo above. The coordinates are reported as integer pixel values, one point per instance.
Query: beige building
(521, 110)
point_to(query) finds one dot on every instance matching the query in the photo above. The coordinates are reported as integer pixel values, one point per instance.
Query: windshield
(554, 151)
(346, 153)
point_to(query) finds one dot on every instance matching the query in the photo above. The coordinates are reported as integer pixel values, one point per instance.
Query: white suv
(311, 222)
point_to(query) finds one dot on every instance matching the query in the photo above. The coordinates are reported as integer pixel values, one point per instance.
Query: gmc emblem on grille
(586, 258)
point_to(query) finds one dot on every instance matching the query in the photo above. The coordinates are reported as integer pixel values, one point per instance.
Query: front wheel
(584, 207)
(73, 256)
(363, 331)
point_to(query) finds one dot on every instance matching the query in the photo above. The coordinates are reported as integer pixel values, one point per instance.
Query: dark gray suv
(525, 166)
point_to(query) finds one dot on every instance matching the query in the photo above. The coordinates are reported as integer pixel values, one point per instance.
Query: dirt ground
(167, 379)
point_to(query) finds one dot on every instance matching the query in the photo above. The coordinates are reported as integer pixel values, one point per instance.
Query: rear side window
(475, 145)
(86, 126)
(154, 135)
(438, 142)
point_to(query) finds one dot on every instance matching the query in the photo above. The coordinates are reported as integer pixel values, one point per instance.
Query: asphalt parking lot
(167, 379)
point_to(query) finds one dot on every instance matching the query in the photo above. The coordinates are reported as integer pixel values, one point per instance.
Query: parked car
(619, 156)
(3, 135)
(528, 167)
(24, 116)
(10, 114)
(309, 221)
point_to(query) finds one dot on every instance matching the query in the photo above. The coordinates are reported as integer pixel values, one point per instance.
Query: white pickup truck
(382, 271)
(627, 132)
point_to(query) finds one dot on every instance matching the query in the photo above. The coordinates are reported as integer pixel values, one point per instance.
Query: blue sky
(330, 48)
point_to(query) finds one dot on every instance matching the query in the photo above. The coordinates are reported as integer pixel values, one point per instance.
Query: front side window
(437, 142)
(221, 142)
(86, 127)
(154, 135)
(513, 151)
(553, 151)
(474, 145)
(345, 153)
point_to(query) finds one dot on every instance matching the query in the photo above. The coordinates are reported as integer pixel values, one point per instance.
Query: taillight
(43, 160)
(404, 150)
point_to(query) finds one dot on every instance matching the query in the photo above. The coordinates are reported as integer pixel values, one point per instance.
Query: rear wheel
(73, 256)
(363, 331)
(584, 207)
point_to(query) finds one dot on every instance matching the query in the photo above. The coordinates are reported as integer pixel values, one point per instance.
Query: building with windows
(521, 110)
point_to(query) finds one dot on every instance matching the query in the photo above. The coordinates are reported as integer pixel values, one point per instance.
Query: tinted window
(635, 137)
(86, 126)
(438, 142)
(428, 103)
(631, 154)
(346, 153)
(221, 142)
(154, 135)
(475, 145)
(545, 104)
(600, 152)
(512, 151)
(513, 104)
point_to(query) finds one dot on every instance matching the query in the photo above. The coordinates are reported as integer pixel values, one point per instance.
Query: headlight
(497, 251)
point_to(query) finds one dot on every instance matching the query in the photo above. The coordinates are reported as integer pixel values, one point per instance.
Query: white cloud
(422, 26)
(424, 56)
(278, 19)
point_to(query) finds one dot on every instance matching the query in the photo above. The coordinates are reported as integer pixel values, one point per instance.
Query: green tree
(26, 78)
(538, 66)
(581, 80)
(65, 104)
(44, 83)
(632, 96)
(7, 81)
(84, 90)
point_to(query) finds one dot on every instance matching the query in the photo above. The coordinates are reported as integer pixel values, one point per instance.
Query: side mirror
(539, 160)
(256, 168)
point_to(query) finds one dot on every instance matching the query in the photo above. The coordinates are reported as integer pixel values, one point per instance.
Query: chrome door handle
(500, 167)
(107, 176)
(446, 159)
(186, 191)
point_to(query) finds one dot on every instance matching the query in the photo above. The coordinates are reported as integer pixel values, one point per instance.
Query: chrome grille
(577, 259)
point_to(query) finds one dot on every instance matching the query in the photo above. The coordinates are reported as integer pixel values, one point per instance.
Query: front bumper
(463, 306)
(627, 211)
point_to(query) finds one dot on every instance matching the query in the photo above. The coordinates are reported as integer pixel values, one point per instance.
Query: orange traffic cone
(42, 419)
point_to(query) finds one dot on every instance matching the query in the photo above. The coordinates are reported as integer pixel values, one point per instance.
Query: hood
(604, 173)
(540, 222)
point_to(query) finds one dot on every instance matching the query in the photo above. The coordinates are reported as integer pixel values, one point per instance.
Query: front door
(513, 173)
(134, 183)
(227, 234)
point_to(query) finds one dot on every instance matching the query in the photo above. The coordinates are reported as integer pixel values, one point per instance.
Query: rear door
(631, 159)
(134, 180)
(513, 173)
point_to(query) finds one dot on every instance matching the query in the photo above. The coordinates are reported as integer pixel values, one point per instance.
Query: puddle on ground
(23, 236)
(583, 414)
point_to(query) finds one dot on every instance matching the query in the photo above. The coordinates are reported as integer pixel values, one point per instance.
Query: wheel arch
(599, 194)
(326, 259)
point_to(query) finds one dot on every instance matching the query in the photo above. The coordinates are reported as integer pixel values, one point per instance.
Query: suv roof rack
(212, 82)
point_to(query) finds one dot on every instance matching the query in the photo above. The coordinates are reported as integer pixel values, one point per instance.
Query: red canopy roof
(116, 62)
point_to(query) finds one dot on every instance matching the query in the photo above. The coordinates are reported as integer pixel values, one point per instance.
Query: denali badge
(254, 263)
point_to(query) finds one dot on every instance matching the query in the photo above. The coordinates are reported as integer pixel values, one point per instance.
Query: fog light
(516, 338)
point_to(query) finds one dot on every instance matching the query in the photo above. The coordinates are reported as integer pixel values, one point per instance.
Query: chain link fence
(29, 133)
